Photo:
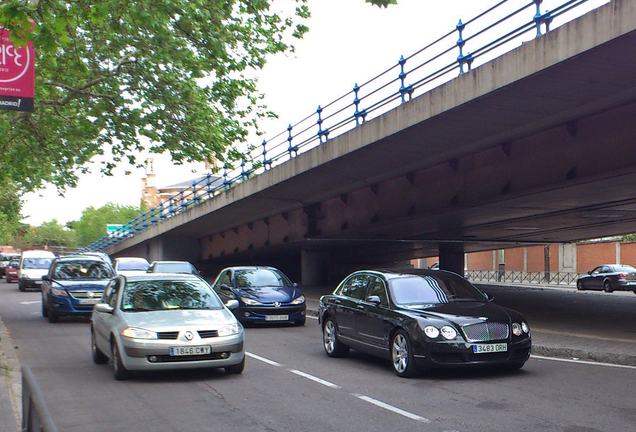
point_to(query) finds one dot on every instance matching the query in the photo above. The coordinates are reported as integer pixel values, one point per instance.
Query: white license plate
(276, 317)
(193, 350)
(489, 348)
(89, 301)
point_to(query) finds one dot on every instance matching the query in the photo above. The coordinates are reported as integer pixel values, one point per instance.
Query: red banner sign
(17, 74)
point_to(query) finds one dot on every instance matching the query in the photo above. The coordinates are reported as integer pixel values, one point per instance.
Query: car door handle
(360, 307)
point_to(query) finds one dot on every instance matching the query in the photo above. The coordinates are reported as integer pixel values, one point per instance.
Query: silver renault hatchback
(159, 321)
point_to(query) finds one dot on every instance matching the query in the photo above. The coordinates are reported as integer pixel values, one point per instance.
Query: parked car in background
(33, 266)
(12, 271)
(173, 267)
(421, 319)
(100, 255)
(609, 278)
(5, 259)
(73, 285)
(165, 321)
(265, 295)
(130, 265)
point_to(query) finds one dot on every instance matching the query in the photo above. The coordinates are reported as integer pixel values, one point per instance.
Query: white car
(130, 265)
(161, 321)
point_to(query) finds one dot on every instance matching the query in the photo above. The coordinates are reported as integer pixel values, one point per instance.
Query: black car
(421, 319)
(73, 285)
(609, 277)
(264, 293)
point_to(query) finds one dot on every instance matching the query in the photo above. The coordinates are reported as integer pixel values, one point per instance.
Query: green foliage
(92, 224)
(629, 238)
(10, 208)
(50, 234)
(382, 3)
(115, 77)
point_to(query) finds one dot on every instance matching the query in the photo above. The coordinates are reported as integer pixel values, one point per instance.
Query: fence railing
(499, 29)
(551, 278)
(35, 415)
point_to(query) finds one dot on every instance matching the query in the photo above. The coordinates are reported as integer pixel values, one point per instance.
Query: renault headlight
(230, 330)
(138, 333)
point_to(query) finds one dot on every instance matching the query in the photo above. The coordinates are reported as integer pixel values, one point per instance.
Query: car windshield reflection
(82, 270)
(425, 291)
(260, 278)
(161, 295)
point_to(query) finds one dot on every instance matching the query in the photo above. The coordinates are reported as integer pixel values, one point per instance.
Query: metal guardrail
(552, 278)
(499, 29)
(35, 415)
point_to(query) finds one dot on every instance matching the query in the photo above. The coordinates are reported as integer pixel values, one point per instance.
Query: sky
(349, 42)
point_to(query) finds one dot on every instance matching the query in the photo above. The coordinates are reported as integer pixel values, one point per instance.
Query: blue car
(73, 285)
(265, 295)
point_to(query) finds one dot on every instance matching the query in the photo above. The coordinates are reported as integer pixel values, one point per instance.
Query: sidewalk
(10, 384)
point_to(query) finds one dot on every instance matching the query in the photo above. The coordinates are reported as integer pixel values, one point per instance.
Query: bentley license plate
(489, 348)
(276, 317)
(193, 350)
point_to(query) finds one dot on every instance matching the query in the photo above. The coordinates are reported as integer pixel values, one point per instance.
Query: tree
(382, 3)
(92, 224)
(115, 78)
(10, 208)
(50, 234)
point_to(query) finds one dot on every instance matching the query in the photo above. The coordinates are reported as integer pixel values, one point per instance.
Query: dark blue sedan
(265, 295)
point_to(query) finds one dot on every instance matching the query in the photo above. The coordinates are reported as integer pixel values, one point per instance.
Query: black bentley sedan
(609, 278)
(420, 319)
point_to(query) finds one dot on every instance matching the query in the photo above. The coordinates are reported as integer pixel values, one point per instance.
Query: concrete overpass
(535, 146)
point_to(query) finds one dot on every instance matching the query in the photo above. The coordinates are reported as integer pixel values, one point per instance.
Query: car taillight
(622, 275)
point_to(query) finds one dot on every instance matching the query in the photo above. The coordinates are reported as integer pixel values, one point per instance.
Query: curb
(10, 375)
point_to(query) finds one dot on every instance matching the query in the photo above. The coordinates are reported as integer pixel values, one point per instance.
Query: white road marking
(392, 408)
(312, 317)
(538, 357)
(313, 378)
(30, 302)
(263, 359)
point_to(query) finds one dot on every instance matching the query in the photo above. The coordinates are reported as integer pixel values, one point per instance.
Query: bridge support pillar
(451, 257)
(314, 267)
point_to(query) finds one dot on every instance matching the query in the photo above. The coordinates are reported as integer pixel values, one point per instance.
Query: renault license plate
(193, 350)
(489, 348)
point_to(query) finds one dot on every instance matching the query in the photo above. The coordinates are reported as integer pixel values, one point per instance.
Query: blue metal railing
(499, 29)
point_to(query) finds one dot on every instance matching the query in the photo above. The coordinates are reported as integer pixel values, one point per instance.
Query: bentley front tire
(402, 355)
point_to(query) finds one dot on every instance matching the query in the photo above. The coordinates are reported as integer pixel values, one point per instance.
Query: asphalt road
(289, 384)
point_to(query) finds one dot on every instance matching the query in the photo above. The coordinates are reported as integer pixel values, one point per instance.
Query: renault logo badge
(188, 335)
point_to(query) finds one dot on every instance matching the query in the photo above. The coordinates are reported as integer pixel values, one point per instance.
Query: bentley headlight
(516, 329)
(230, 330)
(298, 300)
(431, 332)
(448, 332)
(525, 327)
(251, 302)
(138, 333)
